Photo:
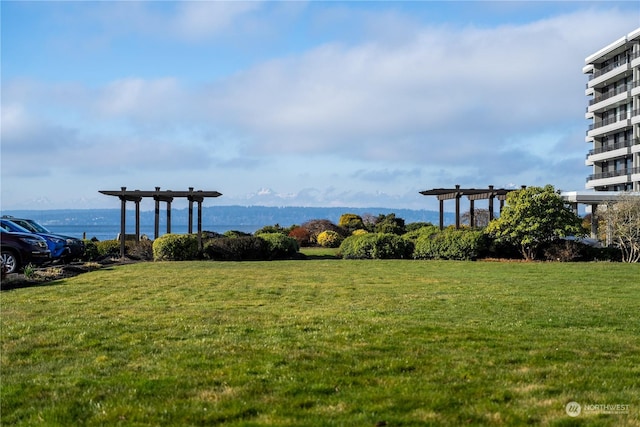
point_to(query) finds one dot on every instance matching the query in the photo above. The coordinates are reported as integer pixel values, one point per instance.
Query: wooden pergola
(166, 196)
(472, 194)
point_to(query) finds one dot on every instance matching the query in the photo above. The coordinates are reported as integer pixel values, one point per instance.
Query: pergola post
(156, 228)
(458, 195)
(190, 227)
(491, 197)
(138, 220)
(472, 214)
(123, 220)
(441, 213)
(200, 223)
(168, 216)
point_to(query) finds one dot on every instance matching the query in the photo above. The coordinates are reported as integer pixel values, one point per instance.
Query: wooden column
(200, 224)
(156, 228)
(123, 220)
(168, 216)
(138, 220)
(441, 213)
(491, 197)
(190, 227)
(472, 214)
(458, 195)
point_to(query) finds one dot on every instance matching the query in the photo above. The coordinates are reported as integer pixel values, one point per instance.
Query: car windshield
(33, 226)
(13, 227)
(39, 227)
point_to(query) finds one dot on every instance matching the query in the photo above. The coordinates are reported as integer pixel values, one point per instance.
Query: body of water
(110, 232)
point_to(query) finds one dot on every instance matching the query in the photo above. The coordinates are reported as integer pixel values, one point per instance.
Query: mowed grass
(324, 342)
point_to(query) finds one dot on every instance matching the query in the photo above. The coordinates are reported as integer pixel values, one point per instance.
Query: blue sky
(359, 104)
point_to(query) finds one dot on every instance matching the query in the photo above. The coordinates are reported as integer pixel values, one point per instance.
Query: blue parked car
(74, 247)
(55, 244)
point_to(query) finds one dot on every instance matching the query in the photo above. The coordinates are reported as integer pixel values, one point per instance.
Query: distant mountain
(245, 216)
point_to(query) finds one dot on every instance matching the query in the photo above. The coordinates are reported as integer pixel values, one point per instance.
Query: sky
(291, 103)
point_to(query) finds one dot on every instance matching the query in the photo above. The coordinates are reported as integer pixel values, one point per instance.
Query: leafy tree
(351, 222)
(390, 224)
(534, 216)
(623, 222)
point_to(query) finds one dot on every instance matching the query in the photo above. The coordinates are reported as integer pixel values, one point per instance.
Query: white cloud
(202, 19)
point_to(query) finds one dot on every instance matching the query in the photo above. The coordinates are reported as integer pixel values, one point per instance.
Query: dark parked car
(75, 246)
(57, 245)
(20, 249)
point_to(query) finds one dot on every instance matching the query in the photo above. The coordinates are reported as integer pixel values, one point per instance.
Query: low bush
(141, 250)
(571, 251)
(317, 226)
(276, 228)
(175, 247)
(244, 248)
(329, 239)
(236, 233)
(91, 252)
(108, 248)
(415, 233)
(451, 244)
(376, 246)
(301, 235)
(280, 246)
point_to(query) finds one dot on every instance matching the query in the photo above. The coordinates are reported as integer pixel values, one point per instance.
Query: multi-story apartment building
(614, 109)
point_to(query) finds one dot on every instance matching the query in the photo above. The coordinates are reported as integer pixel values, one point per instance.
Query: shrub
(244, 248)
(109, 248)
(359, 232)
(350, 222)
(141, 250)
(279, 245)
(329, 239)
(451, 244)
(376, 246)
(175, 247)
(277, 228)
(236, 233)
(301, 235)
(571, 250)
(90, 250)
(428, 230)
(317, 226)
(413, 226)
(390, 224)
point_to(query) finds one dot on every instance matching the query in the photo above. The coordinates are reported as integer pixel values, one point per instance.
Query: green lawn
(324, 342)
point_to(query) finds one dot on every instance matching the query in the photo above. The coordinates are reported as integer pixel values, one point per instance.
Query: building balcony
(603, 75)
(620, 149)
(611, 97)
(609, 125)
(623, 173)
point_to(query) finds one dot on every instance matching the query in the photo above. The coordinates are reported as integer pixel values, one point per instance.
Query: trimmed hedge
(245, 248)
(451, 244)
(175, 247)
(376, 246)
(280, 246)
